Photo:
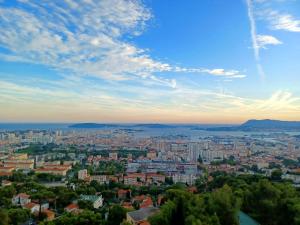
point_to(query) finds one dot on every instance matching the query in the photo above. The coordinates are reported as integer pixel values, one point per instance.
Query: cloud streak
(183, 104)
(254, 37)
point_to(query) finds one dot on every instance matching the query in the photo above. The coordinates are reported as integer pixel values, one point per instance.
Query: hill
(262, 125)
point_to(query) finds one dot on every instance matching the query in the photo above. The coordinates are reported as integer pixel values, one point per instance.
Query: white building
(21, 199)
(82, 174)
(211, 155)
(96, 200)
(184, 178)
(194, 150)
(102, 179)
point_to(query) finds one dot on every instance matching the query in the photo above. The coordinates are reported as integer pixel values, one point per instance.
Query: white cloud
(214, 72)
(86, 40)
(90, 102)
(85, 37)
(264, 40)
(283, 22)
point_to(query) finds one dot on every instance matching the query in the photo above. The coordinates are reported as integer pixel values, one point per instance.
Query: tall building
(194, 151)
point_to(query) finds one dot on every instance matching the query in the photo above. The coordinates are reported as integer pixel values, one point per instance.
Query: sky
(154, 61)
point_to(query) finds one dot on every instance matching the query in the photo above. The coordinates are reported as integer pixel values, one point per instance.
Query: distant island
(262, 125)
(250, 125)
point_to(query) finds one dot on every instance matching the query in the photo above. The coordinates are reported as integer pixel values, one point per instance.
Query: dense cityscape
(149, 112)
(48, 174)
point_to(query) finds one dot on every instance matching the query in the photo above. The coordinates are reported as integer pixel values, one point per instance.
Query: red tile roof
(30, 205)
(72, 206)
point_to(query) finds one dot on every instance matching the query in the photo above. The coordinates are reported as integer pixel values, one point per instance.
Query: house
(50, 215)
(72, 208)
(8, 169)
(192, 189)
(123, 194)
(96, 200)
(143, 201)
(33, 207)
(62, 171)
(6, 183)
(83, 174)
(21, 199)
(134, 178)
(102, 179)
(127, 205)
(44, 206)
(140, 216)
(144, 223)
(24, 164)
(138, 198)
(151, 154)
(189, 179)
(147, 202)
(155, 178)
(5, 174)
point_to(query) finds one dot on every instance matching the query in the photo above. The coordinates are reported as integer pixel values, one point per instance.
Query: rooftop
(143, 214)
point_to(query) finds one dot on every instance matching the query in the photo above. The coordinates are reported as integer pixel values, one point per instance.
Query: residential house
(96, 200)
(33, 207)
(71, 208)
(102, 179)
(50, 215)
(21, 199)
(123, 194)
(140, 216)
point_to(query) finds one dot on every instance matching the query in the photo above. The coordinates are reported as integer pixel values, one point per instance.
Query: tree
(4, 219)
(6, 193)
(83, 204)
(84, 218)
(201, 183)
(276, 174)
(225, 205)
(18, 216)
(116, 215)
(200, 160)
(43, 196)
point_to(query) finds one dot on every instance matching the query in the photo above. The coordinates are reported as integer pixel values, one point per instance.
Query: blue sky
(208, 61)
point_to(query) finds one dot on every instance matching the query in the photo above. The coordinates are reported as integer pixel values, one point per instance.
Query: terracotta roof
(136, 174)
(4, 174)
(127, 205)
(49, 213)
(139, 198)
(144, 223)
(155, 175)
(23, 195)
(7, 167)
(123, 191)
(72, 206)
(147, 203)
(51, 169)
(30, 205)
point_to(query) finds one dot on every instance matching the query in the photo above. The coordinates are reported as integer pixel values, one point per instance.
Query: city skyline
(149, 61)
